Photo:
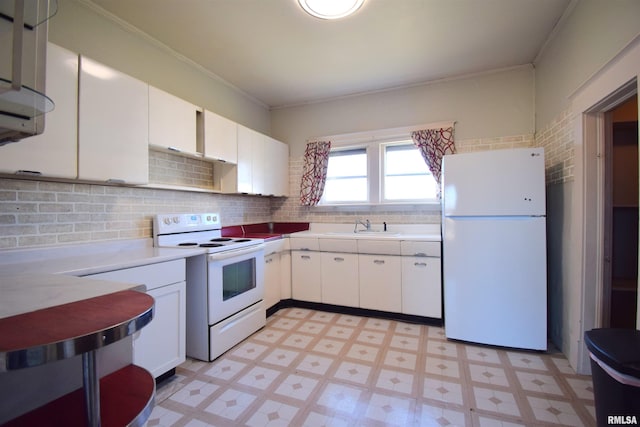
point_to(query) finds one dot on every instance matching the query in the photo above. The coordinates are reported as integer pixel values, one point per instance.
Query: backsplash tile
(557, 140)
(41, 213)
(289, 209)
(171, 169)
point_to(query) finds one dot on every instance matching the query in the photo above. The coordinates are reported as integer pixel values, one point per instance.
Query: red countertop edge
(264, 230)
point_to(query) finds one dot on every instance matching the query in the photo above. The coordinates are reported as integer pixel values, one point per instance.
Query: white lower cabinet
(272, 273)
(380, 282)
(160, 346)
(306, 276)
(421, 286)
(340, 281)
(387, 275)
(285, 274)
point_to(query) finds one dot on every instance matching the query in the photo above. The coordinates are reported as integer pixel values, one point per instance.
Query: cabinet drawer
(338, 245)
(304, 244)
(152, 275)
(411, 248)
(382, 247)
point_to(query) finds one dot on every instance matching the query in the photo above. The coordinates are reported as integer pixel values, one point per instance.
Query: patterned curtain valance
(433, 145)
(314, 172)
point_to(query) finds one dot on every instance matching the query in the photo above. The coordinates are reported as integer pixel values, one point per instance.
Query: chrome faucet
(366, 223)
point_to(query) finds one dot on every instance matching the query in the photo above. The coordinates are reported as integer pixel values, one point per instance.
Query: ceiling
(280, 56)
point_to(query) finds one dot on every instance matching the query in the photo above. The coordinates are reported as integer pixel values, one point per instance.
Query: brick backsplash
(558, 142)
(499, 143)
(290, 209)
(171, 169)
(39, 213)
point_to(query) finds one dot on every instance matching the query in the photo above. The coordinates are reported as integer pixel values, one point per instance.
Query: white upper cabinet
(113, 125)
(276, 167)
(220, 138)
(258, 173)
(54, 152)
(262, 168)
(248, 140)
(172, 122)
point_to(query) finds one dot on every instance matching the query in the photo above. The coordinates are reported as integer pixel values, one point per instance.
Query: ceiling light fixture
(330, 9)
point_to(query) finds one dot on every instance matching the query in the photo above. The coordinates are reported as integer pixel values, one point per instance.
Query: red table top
(72, 321)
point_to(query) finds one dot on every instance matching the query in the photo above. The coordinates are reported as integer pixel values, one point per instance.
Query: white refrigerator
(494, 248)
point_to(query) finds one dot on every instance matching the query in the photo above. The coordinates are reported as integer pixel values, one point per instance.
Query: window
(378, 173)
(406, 175)
(346, 176)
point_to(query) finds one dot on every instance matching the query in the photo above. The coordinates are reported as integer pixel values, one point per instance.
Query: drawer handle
(420, 264)
(338, 259)
(305, 257)
(378, 261)
(420, 254)
(268, 261)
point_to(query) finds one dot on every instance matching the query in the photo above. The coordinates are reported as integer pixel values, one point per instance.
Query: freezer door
(495, 287)
(498, 182)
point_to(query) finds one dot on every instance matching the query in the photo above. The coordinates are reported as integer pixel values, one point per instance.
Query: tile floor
(313, 368)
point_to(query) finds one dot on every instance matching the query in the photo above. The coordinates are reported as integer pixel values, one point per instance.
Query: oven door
(236, 281)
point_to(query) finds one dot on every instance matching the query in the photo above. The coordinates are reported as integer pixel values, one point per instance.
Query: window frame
(375, 151)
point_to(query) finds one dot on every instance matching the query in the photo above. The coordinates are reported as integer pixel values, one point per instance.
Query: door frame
(611, 85)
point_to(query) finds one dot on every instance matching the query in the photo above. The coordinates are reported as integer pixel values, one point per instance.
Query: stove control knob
(176, 219)
(167, 221)
(208, 218)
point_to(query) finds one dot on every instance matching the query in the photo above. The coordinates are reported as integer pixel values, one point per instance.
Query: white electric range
(225, 285)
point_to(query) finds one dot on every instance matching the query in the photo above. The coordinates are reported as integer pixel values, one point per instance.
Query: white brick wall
(37, 213)
(500, 143)
(290, 209)
(558, 142)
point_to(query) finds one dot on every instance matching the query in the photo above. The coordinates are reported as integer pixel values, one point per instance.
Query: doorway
(620, 281)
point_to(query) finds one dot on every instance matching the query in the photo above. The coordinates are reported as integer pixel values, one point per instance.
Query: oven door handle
(236, 252)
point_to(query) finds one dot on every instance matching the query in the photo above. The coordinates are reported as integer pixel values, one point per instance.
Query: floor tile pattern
(312, 368)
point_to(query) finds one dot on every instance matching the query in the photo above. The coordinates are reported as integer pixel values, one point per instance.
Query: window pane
(346, 177)
(402, 162)
(345, 190)
(411, 187)
(407, 176)
(347, 163)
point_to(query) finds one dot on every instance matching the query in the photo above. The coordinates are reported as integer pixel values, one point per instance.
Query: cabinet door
(306, 281)
(244, 169)
(258, 164)
(220, 138)
(276, 167)
(421, 286)
(340, 281)
(172, 122)
(113, 125)
(271, 279)
(54, 153)
(161, 344)
(380, 282)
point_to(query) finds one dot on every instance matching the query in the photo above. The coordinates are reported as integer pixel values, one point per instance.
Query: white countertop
(31, 292)
(414, 232)
(33, 279)
(90, 258)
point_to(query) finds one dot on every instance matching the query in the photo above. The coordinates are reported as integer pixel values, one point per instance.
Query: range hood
(23, 53)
